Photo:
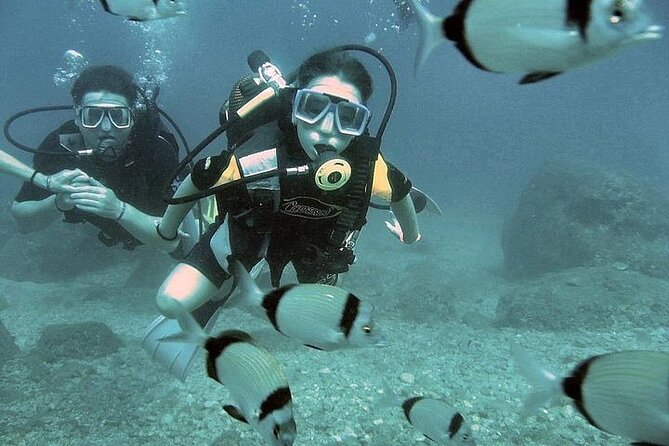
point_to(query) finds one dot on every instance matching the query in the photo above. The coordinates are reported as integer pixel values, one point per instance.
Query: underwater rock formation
(587, 298)
(572, 215)
(84, 340)
(8, 348)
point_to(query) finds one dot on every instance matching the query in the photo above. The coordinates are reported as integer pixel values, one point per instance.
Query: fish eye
(367, 329)
(617, 16)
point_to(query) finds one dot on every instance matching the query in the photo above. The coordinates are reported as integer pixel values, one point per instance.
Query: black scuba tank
(245, 89)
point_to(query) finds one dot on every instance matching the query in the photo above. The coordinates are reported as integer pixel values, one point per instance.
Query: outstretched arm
(57, 183)
(405, 223)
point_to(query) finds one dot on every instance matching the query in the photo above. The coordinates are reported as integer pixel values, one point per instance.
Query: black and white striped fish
(320, 316)
(438, 421)
(542, 38)
(623, 393)
(255, 379)
(142, 10)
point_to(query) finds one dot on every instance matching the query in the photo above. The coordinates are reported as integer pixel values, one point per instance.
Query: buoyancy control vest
(305, 223)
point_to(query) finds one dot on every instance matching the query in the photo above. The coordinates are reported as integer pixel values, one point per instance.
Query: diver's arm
(175, 213)
(14, 167)
(405, 213)
(33, 216)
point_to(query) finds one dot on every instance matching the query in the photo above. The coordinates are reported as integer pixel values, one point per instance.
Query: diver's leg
(187, 285)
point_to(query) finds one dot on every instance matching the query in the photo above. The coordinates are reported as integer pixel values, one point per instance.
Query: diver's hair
(104, 77)
(336, 63)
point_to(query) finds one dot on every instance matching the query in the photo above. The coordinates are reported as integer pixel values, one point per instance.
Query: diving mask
(311, 106)
(91, 116)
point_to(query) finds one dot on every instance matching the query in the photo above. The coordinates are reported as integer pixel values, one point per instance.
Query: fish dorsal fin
(538, 76)
(235, 413)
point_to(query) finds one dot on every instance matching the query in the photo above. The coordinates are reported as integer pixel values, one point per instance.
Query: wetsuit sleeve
(214, 170)
(46, 164)
(389, 183)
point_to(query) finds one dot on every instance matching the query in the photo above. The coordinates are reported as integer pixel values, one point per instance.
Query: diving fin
(177, 357)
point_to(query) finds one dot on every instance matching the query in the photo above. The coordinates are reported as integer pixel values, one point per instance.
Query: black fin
(454, 30)
(105, 5)
(216, 346)
(350, 314)
(277, 400)
(538, 76)
(313, 346)
(408, 404)
(456, 423)
(578, 14)
(271, 302)
(235, 413)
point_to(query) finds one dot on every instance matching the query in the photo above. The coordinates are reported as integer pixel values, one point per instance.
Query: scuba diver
(310, 216)
(117, 157)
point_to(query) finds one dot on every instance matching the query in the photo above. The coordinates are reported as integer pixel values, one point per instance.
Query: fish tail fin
(545, 385)
(192, 332)
(250, 294)
(431, 33)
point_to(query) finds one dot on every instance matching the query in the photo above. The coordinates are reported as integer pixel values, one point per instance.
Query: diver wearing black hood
(126, 162)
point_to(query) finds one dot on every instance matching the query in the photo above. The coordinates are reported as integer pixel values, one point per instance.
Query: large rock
(84, 340)
(589, 298)
(8, 348)
(573, 215)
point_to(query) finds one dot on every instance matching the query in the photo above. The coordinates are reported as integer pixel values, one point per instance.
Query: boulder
(588, 298)
(84, 340)
(8, 348)
(572, 215)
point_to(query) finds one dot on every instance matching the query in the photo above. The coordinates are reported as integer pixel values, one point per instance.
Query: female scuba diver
(309, 220)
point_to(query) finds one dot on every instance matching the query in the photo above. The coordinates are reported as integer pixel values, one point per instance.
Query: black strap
(353, 216)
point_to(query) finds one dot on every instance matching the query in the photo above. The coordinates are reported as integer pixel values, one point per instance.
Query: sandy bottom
(126, 399)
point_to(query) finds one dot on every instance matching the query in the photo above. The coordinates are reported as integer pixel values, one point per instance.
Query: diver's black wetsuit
(141, 179)
(294, 221)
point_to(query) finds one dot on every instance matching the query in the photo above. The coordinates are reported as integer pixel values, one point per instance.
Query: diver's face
(324, 135)
(106, 134)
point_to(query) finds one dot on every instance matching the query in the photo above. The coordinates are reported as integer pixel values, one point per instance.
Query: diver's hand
(63, 181)
(394, 227)
(64, 202)
(97, 199)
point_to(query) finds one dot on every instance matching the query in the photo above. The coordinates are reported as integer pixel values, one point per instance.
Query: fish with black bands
(541, 38)
(255, 379)
(623, 393)
(320, 316)
(143, 10)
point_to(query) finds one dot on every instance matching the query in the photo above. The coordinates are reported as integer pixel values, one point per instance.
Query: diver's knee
(168, 305)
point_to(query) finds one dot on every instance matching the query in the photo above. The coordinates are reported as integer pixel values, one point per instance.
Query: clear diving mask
(311, 106)
(91, 116)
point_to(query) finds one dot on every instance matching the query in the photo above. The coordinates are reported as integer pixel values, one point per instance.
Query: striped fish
(320, 316)
(542, 38)
(438, 421)
(143, 10)
(624, 393)
(254, 378)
